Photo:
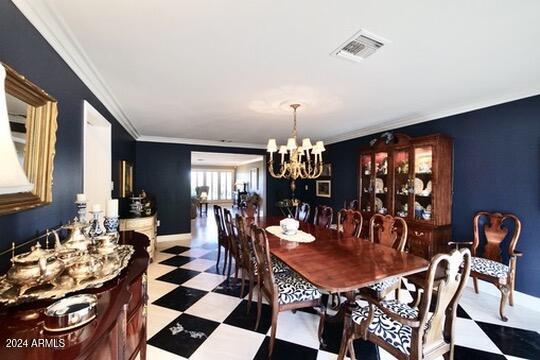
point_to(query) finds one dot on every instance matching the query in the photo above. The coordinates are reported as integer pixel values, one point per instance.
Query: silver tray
(63, 284)
(70, 312)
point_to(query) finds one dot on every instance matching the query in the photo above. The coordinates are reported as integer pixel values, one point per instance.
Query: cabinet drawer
(420, 243)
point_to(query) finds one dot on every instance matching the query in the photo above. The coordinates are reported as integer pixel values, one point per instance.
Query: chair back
(388, 230)
(245, 243)
(436, 328)
(349, 222)
(264, 261)
(222, 233)
(232, 234)
(302, 212)
(495, 231)
(249, 209)
(352, 205)
(323, 216)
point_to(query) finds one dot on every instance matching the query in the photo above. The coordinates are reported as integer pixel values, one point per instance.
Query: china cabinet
(410, 178)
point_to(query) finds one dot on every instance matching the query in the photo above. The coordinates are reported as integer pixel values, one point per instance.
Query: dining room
(277, 180)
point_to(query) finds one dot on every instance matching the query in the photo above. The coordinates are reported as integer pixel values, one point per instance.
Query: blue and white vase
(111, 224)
(96, 229)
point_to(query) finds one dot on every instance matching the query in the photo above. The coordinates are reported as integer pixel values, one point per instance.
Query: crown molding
(186, 141)
(393, 125)
(56, 32)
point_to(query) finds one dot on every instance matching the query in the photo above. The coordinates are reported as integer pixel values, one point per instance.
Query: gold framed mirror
(32, 116)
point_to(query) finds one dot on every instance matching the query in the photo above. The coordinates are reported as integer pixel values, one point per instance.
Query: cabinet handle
(418, 233)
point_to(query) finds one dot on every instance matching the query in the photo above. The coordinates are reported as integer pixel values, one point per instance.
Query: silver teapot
(77, 238)
(34, 268)
(87, 266)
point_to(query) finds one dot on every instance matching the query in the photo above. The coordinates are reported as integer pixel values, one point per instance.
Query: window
(218, 181)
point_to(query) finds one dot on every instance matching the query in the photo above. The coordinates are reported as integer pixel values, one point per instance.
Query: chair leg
(218, 257)
(475, 283)
(230, 266)
(275, 313)
(512, 286)
(350, 346)
(225, 256)
(504, 298)
(322, 319)
(259, 306)
(243, 282)
(251, 285)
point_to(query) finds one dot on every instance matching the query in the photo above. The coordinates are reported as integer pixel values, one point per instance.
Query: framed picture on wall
(126, 179)
(327, 170)
(323, 188)
(254, 179)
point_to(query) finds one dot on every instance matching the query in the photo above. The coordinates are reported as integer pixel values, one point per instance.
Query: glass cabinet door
(380, 185)
(422, 184)
(401, 183)
(366, 186)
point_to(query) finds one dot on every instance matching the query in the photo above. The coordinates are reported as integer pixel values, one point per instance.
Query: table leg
(348, 307)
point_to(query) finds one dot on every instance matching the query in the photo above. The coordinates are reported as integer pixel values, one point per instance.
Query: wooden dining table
(339, 264)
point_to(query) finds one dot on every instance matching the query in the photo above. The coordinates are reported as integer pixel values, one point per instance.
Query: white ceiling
(222, 159)
(213, 70)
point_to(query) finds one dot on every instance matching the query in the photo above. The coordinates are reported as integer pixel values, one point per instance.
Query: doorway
(97, 154)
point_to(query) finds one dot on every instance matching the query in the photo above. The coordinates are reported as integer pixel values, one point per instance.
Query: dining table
(340, 264)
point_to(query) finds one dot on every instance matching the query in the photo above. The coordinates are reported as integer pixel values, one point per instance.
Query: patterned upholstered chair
(414, 332)
(223, 238)
(284, 291)
(323, 216)
(487, 260)
(234, 245)
(388, 231)
(349, 222)
(302, 212)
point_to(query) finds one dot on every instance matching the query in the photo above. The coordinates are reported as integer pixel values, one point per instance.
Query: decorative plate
(378, 204)
(379, 185)
(418, 185)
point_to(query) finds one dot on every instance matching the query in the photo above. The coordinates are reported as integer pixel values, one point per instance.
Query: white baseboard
(174, 237)
(520, 298)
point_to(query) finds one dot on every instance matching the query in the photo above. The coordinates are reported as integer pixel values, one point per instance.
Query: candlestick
(81, 198)
(112, 208)
(81, 207)
(95, 227)
(96, 208)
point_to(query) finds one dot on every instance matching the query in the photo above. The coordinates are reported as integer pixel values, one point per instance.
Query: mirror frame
(39, 151)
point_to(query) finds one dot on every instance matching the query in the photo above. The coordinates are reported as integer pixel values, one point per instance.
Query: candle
(96, 208)
(81, 198)
(112, 208)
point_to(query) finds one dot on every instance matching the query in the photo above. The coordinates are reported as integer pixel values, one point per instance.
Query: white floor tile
(214, 306)
(229, 342)
(160, 256)
(385, 355)
(199, 264)
(205, 281)
(468, 334)
(157, 289)
(299, 328)
(155, 353)
(158, 318)
(197, 252)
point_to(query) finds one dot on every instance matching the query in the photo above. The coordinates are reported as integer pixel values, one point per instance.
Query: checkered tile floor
(195, 313)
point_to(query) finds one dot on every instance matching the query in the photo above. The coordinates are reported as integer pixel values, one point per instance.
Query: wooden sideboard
(410, 178)
(146, 225)
(118, 331)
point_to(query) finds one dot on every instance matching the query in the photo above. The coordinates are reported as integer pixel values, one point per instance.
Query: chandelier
(304, 161)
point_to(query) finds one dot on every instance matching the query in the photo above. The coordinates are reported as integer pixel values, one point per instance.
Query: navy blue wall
(496, 167)
(163, 170)
(24, 49)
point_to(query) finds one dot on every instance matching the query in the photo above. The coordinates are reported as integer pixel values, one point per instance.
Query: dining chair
(249, 210)
(302, 212)
(284, 291)
(414, 332)
(349, 222)
(352, 205)
(249, 262)
(487, 253)
(235, 251)
(323, 216)
(389, 231)
(223, 240)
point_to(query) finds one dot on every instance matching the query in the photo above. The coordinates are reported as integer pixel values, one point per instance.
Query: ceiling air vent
(359, 46)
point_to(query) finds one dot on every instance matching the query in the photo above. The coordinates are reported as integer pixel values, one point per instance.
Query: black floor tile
(176, 250)
(241, 318)
(178, 276)
(229, 288)
(180, 298)
(286, 350)
(183, 335)
(462, 313)
(177, 260)
(332, 339)
(464, 353)
(513, 341)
